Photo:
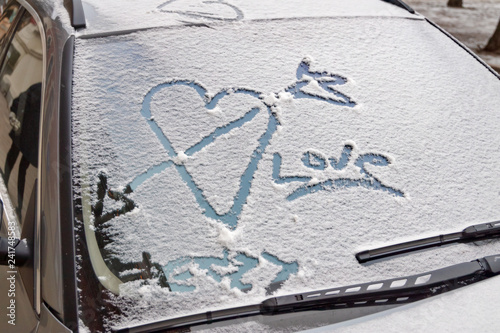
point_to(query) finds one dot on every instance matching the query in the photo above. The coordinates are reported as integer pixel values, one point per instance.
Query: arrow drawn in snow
(325, 80)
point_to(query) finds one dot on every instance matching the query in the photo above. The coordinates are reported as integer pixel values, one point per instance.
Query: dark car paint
(56, 277)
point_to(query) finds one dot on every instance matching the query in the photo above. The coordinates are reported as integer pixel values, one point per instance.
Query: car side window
(7, 17)
(20, 103)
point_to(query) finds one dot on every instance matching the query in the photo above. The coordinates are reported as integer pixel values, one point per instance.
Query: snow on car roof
(112, 16)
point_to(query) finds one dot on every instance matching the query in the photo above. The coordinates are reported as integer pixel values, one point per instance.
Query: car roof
(115, 17)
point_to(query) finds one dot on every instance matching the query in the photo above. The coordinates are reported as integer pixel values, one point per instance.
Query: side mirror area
(19, 254)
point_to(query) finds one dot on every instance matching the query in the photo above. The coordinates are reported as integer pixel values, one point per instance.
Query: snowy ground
(473, 25)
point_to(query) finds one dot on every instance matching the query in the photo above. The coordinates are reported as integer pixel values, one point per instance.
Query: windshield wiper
(385, 292)
(470, 234)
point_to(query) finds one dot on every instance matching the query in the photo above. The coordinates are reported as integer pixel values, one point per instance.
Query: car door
(20, 103)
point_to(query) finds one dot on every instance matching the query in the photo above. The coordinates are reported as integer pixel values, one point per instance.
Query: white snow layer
(103, 16)
(423, 106)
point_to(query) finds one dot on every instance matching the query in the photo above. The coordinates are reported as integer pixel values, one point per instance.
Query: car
(231, 166)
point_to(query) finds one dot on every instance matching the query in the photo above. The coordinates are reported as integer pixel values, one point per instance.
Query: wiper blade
(385, 292)
(470, 234)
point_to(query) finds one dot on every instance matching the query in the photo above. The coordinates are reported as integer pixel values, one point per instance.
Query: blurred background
(476, 23)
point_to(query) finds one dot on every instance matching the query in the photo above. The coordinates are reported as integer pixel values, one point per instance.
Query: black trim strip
(400, 4)
(78, 15)
(70, 315)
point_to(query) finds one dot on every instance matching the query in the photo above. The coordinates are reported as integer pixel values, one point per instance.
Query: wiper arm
(385, 292)
(470, 234)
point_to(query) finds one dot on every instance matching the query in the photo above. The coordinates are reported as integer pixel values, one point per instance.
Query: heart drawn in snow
(213, 9)
(216, 142)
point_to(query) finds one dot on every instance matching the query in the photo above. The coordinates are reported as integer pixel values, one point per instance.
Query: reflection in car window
(7, 17)
(20, 88)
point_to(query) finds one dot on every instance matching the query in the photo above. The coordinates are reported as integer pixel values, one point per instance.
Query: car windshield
(219, 163)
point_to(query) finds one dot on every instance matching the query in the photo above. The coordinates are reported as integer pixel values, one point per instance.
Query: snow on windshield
(260, 157)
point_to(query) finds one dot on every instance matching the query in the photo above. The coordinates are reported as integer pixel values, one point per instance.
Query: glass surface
(20, 98)
(216, 167)
(7, 16)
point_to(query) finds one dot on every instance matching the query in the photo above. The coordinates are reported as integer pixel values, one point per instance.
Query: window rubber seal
(70, 311)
